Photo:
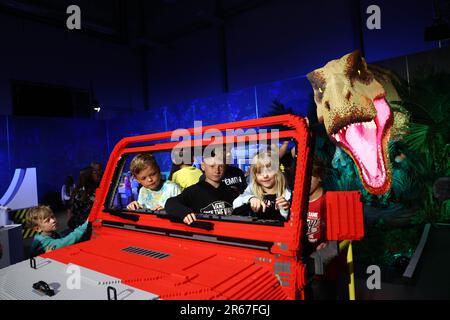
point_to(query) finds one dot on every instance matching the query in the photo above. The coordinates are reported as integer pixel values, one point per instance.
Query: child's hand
(49, 248)
(256, 204)
(158, 208)
(133, 205)
(321, 246)
(282, 203)
(190, 218)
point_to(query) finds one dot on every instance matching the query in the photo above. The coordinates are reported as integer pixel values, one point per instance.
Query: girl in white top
(267, 195)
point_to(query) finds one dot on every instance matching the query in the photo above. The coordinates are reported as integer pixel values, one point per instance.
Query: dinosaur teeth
(368, 124)
(336, 137)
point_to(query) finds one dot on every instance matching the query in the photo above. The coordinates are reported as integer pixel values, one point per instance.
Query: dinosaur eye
(363, 75)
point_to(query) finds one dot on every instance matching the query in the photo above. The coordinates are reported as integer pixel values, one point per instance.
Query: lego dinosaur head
(351, 104)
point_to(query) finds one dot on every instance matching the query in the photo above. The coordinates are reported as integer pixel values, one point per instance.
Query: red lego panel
(184, 270)
(344, 220)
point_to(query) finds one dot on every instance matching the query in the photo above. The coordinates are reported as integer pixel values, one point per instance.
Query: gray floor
(431, 279)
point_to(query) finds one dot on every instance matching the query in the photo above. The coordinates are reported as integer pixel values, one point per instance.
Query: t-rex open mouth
(366, 143)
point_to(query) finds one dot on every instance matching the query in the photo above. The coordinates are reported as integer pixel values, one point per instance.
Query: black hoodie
(203, 198)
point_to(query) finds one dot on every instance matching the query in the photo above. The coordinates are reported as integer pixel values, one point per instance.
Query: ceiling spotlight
(95, 105)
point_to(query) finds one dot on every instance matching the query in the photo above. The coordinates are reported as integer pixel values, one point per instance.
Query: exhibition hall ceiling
(151, 23)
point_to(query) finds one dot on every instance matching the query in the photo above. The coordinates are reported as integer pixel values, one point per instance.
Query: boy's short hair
(318, 169)
(142, 161)
(36, 214)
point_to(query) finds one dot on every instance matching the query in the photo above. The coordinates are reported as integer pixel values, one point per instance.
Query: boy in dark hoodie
(210, 196)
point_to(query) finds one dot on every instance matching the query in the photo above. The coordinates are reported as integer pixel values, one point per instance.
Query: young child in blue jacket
(42, 220)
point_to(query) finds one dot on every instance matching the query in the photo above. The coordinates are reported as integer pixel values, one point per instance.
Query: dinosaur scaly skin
(352, 105)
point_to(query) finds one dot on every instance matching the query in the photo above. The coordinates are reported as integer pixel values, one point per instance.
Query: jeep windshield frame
(284, 235)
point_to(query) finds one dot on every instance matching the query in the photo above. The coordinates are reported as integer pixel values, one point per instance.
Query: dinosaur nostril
(327, 105)
(348, 95)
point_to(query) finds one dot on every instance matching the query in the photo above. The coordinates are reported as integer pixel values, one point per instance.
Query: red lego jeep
(143, 254)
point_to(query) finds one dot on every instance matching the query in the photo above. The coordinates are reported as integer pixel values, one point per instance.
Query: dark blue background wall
(284, 39)
(287, 38)
(403, 23)
(55, 147)
(35, 52)
(5, 169)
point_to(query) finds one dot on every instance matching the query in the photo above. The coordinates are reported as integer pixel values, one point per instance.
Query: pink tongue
(363, 142)
(383, 111)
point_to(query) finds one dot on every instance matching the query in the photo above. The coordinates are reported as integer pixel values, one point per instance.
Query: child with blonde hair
(267, 195)
(155, 191)
(42, 220)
